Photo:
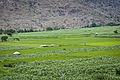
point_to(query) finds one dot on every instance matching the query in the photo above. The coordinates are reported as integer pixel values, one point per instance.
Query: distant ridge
(40, 14)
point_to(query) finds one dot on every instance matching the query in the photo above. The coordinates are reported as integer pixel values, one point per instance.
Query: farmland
(80, 53)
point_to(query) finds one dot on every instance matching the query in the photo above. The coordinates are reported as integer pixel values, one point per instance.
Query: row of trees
(11, 31)
(2, 31)
(112, 24)
(93, 25)
(99, 25)
(54, 28)
(8, 31)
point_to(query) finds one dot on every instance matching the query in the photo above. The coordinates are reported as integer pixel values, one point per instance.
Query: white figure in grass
(63, 74)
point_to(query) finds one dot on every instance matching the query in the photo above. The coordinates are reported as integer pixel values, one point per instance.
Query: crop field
(80, 54)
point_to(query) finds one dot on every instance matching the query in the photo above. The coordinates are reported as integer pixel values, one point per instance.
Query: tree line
(99, 25)
(11, 31)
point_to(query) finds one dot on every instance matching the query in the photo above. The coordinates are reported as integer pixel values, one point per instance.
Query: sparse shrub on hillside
(49, 28)
(62, 27)
(9, 31)
(56, 28)
(20, 31)
(26, 30)
(4, 38)
(87, 26)
(1, 31)
(31, 30)
(93, 25)
(112, 24)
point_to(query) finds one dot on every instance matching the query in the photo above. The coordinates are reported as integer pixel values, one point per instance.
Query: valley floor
(78, 53)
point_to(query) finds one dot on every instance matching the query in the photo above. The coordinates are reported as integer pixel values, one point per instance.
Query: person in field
(63, 74)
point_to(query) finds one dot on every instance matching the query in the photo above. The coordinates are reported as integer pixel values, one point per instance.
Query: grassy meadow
(99, 59)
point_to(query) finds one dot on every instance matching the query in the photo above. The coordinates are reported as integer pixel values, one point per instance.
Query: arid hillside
(39, 14)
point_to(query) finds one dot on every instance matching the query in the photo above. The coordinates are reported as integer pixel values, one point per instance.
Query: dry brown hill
(39, 14)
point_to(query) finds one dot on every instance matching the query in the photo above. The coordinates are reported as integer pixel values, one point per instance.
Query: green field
(99, 59)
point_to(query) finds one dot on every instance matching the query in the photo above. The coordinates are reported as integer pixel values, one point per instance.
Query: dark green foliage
(49, 28)
(62, 27)
(93, 25)
(1, 31)
(13, 64)
(26, 30)
(56, 28)
(87, 26)
(64, 49)
(31, 30)
(112, 24)
(20, 31)
(115, 31)
(4, 38)
(117, 72)
(9, 33)
(17, 39)
(8, 65)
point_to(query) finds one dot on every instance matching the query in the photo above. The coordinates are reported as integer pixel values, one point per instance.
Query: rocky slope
(39, 14)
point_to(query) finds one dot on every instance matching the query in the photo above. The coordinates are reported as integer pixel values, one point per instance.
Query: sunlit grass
(69, 48)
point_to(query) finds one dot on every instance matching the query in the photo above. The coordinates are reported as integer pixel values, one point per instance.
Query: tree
(4, 38)
(115, 31)
(112, 24)
(10, 30)
(25, 30)
(93, 25)
(31, 30)
(56, 28)
(9, 33)
(49, 29)
(20, 31)
(17, 39)
(87, 26)
(62, 27)
(1, 31)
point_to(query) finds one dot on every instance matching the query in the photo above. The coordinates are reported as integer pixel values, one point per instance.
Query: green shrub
(4, 38)
(17, 39)
(9, 33)
(112, 24)
(49, 28)
(115, 31)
